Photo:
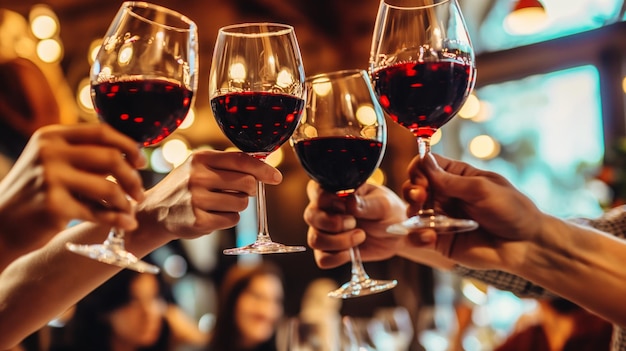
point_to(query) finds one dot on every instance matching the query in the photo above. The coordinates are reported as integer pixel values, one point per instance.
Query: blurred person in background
(250, 308)
(130, 312)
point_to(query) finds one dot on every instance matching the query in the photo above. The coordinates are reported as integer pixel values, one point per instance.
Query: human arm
(516, 237)
(204, 194)
(53, 182)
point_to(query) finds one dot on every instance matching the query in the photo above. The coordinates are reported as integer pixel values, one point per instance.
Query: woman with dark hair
(250, 307)
(126, 313)
(130, 312)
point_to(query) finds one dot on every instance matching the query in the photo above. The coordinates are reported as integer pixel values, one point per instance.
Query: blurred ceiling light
(473, 292)
(527, 17)
(284, 79)
(44, 23)
(175, 151)
(84, 95)
(322, 86)
(436, 137)
(484, 147)
(94, 47)
(189, 119)
(175, 266)
(49, 50)
(485, 112)
(158, 163)
(624, 85)
(378, 177)
(237, 72)
(470, 108)
(275, 158)
(366, 115)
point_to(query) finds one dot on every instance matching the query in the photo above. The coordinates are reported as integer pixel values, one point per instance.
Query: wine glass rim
(232, 29)
(340, 73)
(387, 3)
(129, 5)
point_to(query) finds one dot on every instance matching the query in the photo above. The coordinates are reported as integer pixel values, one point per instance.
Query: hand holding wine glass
(143, 83)
(256, 89)
(422, 66)
(340, 143)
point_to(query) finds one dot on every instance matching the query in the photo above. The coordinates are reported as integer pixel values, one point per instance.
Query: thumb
(446, 183)
(369, 206)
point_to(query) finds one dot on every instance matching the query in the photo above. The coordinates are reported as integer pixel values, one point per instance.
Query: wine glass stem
(115, 238)
(263, 234)
(423, 149)
(358, 272)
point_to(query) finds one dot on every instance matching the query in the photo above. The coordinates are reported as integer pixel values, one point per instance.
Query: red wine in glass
(339, 163)
(256, 91)
(257, 122)
(340, 143)
(143, 82)
(147, 110)
(423, 96)
(422, 67)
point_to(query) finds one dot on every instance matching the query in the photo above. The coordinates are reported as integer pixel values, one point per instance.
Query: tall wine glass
(256, 90)
(422, 66)
(340, 143)
(143, 82)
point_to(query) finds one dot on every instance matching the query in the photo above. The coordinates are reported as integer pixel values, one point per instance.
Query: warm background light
(527, 17)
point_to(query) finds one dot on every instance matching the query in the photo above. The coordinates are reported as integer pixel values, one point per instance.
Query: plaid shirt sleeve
(613, 222)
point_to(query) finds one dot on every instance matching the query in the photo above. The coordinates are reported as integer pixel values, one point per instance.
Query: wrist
(549, 253)
(150, 233)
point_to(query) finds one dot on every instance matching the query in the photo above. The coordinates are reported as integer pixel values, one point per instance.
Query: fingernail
(358, 237)
(349, 223)
(414, 194)
(139, 195)
(278, 177)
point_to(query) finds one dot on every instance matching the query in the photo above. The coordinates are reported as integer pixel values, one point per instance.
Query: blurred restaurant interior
(548, 112)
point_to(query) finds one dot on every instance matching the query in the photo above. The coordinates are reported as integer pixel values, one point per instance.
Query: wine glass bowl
(256, 92)
(340, 142)
(422, 67)
(143, 83)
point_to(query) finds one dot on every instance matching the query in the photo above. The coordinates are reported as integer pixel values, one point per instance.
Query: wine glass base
(264, 247)
(440, 223)
(113, 256)
(363, 287)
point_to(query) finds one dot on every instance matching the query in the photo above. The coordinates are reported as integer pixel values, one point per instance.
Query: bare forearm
(42, 284)
(581, 264)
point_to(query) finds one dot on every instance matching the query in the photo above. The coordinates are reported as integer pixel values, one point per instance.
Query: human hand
(508, 220)
(60, 176)
(336, 224)
(204, 194)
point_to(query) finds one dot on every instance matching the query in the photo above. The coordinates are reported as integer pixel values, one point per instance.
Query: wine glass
(391, 328)
(340, 143)
(295, 334)
(422, 67)
(143, 82)
(256, 90)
